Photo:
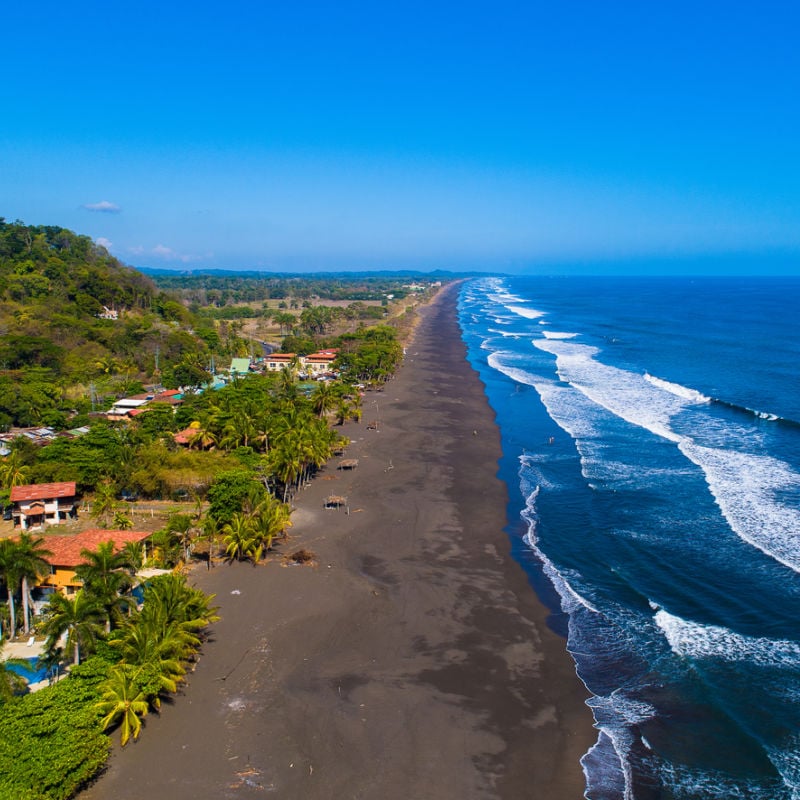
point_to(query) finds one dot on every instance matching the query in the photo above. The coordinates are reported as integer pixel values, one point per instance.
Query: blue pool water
(32, 674)
(651, 440)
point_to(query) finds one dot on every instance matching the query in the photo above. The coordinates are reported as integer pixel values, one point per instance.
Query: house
(109, 313)
(312, 365)
(66, 555)
(239, 366)
(320, 363)
(278, 361)
(128, 407)
(40, 504)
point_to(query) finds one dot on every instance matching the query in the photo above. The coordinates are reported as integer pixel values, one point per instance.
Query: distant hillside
(74, 319)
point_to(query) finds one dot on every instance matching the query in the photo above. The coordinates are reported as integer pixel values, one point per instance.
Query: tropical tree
(12, 575)
(79, 616)
(203, 437)
(134, 555)
(182, 526)
(51, 660)
(123, 702)
(323, 398)
(13, 472)
(210, 532)
(105, 501)
(270, 519)
(158, 647)
(106, 576)
(31, 564)
(240, 540)
(122, 521)
(286, 321)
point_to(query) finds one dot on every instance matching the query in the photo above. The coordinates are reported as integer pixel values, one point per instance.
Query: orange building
(66, 554)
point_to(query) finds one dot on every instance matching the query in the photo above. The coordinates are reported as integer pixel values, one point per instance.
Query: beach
(410, 659)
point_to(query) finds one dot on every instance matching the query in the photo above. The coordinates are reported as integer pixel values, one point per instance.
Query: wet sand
(412, 660)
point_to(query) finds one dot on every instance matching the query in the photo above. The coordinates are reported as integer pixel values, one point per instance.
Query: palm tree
(79, 617)
(105, 573)
(323, 398)
(270, 519)
(122, 521)
(286, 321)
(10, 568)
(239, 430)
(182, 525)
(51, 660)
(343, 411)
(171, 600)
(210, 533)
(134, 555)
(240, 539)
(107, 365)
(105, 501)
(157, 649)
(123, 701)
(32, 564)
(13, 472)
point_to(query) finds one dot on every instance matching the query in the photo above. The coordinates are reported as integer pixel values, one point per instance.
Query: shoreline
(413, 659)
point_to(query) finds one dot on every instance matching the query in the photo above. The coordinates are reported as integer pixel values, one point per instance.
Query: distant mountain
(403, 274)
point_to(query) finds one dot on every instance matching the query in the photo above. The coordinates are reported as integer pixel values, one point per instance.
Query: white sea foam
(747, 488)
(700, 642)
(697, 641)
(625, 394)
(496, 361)
(603, 770)
(570, 410)
(613, 716)
(507, 334)
(570, 599)
(558, 335)
(528, 313)
(687, 783)
(675, 388)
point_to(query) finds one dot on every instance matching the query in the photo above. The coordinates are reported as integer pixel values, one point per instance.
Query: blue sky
(512, 136)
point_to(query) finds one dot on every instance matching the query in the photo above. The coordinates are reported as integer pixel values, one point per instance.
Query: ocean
(651, 444)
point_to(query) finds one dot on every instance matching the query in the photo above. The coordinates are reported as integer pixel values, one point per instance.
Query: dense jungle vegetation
(79, 329)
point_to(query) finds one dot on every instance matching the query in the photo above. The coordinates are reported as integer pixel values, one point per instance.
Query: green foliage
(230, 492)
(54, 287)
(51, 742)
(371, 355)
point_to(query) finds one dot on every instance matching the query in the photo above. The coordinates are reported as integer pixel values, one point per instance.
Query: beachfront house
(66, 556)
(320, 363)
(40, 504)
(313, 365)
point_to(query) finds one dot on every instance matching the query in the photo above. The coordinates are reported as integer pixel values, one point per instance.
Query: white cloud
(161, 251)
(103, 207)
(103, 242)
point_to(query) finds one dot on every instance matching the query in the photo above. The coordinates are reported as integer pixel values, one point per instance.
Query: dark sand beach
(412, 660)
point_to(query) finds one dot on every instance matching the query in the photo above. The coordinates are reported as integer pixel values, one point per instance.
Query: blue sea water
(651, 444)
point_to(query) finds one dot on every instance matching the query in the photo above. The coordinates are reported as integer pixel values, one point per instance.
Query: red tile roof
(184, 436)
(42, 491)
(66, 549)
